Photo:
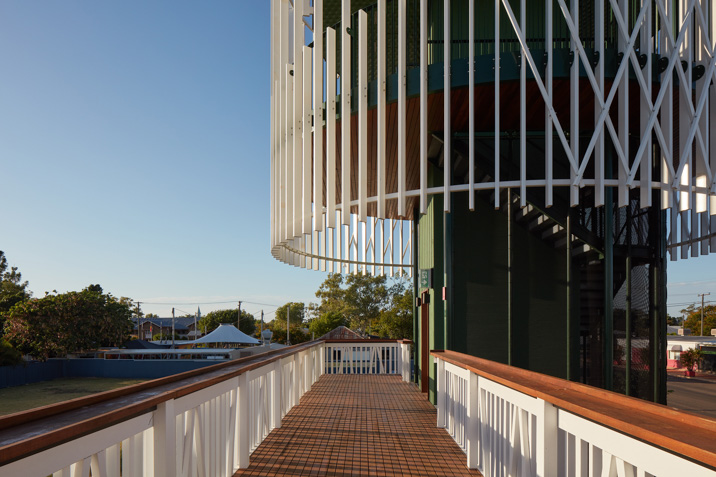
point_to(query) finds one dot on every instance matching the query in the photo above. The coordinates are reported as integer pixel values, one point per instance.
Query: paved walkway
(356, 425)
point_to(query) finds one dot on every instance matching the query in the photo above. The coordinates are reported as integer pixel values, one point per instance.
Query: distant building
(341, 333)
(147, 328)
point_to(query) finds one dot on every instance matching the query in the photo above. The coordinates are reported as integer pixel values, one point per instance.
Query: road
(696, 395)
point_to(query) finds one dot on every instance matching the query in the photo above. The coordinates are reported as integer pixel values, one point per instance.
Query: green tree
(297, 334)
(365, 298)
(213, 319)
(396, 322)
(332, 295)
(12, 289)
(298, 312)
(325, 323)
(58, 324)
(365, 301)
(693, 319)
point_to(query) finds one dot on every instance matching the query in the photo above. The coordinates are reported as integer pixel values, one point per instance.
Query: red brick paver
(355, 425)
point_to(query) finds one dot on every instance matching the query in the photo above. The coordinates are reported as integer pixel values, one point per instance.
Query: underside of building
(531, 175)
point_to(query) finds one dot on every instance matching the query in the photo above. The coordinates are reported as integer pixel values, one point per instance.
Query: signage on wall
(426, 278)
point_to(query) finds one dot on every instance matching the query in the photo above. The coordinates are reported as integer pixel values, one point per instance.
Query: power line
(210, 303)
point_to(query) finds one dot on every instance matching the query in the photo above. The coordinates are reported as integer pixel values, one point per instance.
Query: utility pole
(288, 325)
(702, 295)
(261, 332)
(139, 323)
(238, 324)
(172, 328)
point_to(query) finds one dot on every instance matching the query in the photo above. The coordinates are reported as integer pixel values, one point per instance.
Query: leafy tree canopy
(57, 324)
(213, 319)
(12, 289)
(396, 322)
(298, 314)
(369, 304)
(693, 319)
(325, 323)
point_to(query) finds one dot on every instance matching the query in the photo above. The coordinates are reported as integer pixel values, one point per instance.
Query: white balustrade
(213, 430)
(365, 357)
(505, 432)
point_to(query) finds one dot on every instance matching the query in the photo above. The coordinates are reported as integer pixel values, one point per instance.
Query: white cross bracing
(316, 228)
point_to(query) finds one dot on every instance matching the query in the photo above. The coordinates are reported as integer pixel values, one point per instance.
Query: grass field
(30, 396)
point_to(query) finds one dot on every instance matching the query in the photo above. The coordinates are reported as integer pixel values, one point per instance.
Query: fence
(202, 423)
(515, 422)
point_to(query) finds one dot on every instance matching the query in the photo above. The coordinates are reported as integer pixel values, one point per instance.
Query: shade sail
(227, 333)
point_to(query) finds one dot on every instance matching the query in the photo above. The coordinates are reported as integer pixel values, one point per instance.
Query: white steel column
(318, 115)
(497, 103)
(523, 106)
(471, 100)
(345, 112)
(549, 140)
(290, 150)
(380, 112)
(667, 115)
(306, 212)
(363, 116)
(623, 101)
(402, 79)
(646, 47)
(574, 102)
(599, 101)
(331, 126)
(447, 133)
(297, 115)
(424, 105)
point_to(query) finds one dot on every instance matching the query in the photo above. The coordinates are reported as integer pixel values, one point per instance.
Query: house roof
(227, 333)
(180, 323)
(341, 333)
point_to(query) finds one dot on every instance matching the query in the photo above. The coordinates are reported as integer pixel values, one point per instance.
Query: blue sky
(134, 153)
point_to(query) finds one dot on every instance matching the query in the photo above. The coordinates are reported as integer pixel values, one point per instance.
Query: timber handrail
(679, 432)
(27, 432)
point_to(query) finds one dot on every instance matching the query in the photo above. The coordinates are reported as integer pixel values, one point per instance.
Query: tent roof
(227, 333)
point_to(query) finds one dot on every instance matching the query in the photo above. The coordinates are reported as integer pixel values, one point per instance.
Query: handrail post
(276, 395)
(296, 378)
(547, 438)
(165, 446)
(243, 417)
(440, 377)
(472, 430)
(322, 358)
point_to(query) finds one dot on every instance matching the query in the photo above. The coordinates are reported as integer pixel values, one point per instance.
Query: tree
(397, 321)
(364, 301)
(673, 320)
(332, 295)
(298, 311)
(58, 324)
(12, 289)
(693, 319)
(297, 334)
(691, 358)
(213, 319)
(325, 323)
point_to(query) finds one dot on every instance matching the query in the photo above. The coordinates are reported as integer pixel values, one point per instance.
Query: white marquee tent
(227, 333)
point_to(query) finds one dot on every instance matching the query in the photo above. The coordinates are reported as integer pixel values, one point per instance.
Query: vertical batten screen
(400, 60)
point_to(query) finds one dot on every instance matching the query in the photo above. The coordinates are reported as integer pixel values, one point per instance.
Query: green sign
(426, 278)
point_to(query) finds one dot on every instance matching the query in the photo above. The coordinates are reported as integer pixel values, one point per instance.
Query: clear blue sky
(134, 153)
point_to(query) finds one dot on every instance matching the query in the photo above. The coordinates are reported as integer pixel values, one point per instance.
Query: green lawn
(30, 396)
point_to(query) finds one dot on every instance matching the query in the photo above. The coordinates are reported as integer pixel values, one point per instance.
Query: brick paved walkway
(355, 425)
